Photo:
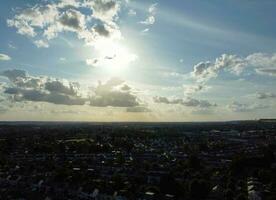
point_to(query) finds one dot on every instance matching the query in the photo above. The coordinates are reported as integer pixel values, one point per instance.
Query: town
(143, 161)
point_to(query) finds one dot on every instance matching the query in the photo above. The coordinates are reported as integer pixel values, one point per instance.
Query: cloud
(41, 44)
(73, 19)
(205, 71)
(243, 107)
(4, 57)
(57, 86)
(260, 62)
(11, 46)
(125, 87)
(266, 71)
(13, 74)
(138, 109)
(24, 87)
(263, 63)
(192, 89)
(32, 18)
(265, 95)
(132, 12)
(92, 62)
(46, 20)
(150, 20)
(62, 59)
(188, 102)
(20, 94)
(102, 30)
(104, 10)
(111, 94)
(145, 31)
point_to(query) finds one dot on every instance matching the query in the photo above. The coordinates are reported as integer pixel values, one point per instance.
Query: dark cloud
(23, 87)
(265, 95)
(59, 87)
(138, 109)
(13, 74)
(189, 102)
(101, 30)
(40, 89)
(72, 19)
(43, 96)
(108, 94)
(266, 71)
(125, 87)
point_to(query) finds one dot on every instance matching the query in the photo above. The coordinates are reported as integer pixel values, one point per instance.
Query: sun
(113, 55)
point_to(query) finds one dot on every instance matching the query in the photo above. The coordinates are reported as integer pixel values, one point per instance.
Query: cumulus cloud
(14, 74)
(260, 62)
(189, 102)
(204, 71)
(101, 30)
(150, 20)
(104, 10)
(73, 19)
(24, 87)
(41, 44)
(244, 107)
(46, 20)
(112, 94)
(4, 57)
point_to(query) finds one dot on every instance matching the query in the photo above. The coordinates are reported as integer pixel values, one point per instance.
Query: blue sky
(130, 60)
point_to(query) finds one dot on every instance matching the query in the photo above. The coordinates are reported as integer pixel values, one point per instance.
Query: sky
(137, 60)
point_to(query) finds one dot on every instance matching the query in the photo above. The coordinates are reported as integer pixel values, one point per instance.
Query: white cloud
(4, 57)
(132, 12)
(153, 8)
(262, 63)
(41, 44)
(150, 20)
(145, 31)
(46, 20)
(62, 59)
(204, 71)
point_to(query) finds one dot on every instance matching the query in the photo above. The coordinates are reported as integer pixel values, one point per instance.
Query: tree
(199, 189)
